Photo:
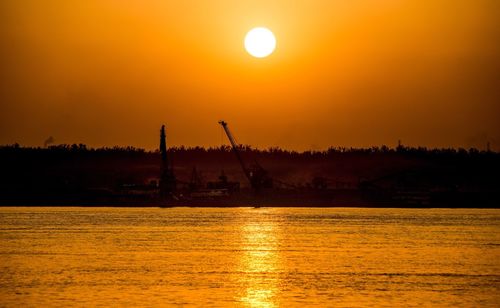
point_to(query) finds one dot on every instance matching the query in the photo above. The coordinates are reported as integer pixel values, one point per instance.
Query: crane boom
(256, 175)
(236, 149)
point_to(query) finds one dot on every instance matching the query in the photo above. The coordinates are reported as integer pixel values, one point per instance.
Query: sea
(249, 257)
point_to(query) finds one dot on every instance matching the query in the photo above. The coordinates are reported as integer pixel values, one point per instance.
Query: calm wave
(249, 257)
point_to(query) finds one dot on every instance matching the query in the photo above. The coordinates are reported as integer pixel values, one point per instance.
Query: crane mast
(167, 178)
(163, 149)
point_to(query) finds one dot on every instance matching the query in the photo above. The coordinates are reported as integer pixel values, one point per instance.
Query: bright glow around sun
(260, 42)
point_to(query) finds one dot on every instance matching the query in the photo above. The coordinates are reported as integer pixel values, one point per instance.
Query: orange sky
(345, 73)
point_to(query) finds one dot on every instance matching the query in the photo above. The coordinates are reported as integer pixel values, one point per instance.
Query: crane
(256, 175)
(168, 181)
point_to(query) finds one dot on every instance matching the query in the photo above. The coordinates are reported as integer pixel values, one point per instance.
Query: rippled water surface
(261, 257)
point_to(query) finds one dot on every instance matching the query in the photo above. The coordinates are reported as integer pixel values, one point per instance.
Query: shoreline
(378, 206)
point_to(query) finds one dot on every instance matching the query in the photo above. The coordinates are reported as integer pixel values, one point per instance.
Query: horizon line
(380, 148)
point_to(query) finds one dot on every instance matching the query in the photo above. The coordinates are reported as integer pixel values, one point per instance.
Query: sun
(260, 42)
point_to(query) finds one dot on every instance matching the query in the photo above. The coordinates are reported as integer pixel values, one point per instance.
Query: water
(262, 257)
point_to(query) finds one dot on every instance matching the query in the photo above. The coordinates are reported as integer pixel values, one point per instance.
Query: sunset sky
(344, 73)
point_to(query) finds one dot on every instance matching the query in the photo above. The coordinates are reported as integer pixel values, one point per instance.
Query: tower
(167, 178)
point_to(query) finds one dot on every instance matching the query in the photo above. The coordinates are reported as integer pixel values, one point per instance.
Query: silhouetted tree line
(60, 170)
(224, 150)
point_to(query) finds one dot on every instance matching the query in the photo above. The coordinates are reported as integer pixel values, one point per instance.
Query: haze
(345, 73)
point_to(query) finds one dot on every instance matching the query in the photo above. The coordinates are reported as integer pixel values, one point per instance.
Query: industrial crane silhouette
(167, 178)
(256, 175)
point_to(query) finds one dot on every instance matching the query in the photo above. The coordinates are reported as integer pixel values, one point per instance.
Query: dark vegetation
(77, 169)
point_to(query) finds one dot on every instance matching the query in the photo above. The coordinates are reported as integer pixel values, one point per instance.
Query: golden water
(264, 257)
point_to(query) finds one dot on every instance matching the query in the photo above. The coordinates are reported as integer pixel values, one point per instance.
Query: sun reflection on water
(260, 263)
